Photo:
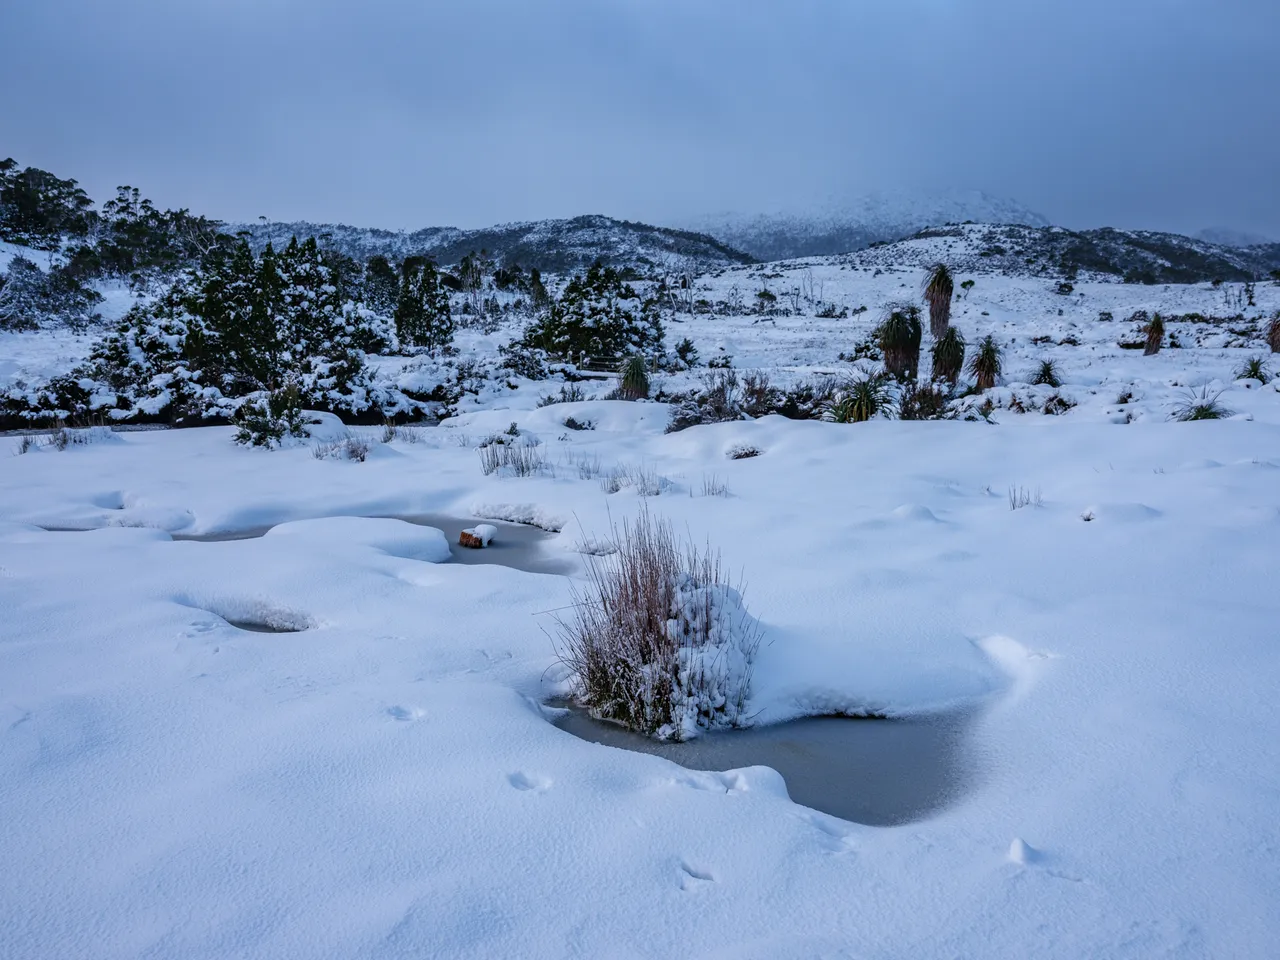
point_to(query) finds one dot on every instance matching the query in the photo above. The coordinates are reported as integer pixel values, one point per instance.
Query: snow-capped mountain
(1228, 237)
(841, 226)
(1134, 256)
(555, 246)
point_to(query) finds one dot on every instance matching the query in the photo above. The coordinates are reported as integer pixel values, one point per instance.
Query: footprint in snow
(694, 879)
(529, 781)
(1025, 855)
(405, 713)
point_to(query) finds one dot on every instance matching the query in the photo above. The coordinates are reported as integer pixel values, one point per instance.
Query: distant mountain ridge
(1134, 256)
(843, 226)
(555, 246)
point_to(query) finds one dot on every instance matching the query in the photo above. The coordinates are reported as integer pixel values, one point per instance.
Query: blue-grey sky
(1135, 113)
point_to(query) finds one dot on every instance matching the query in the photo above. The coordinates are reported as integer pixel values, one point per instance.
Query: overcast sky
(1135, 113)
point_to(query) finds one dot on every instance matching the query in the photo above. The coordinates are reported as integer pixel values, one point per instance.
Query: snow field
(383, 783)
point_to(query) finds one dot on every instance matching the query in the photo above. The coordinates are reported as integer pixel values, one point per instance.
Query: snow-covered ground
(384, 783)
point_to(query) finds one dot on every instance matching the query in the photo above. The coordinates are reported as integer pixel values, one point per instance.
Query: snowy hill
(1137, 256)
(844, 226)
(556, 246)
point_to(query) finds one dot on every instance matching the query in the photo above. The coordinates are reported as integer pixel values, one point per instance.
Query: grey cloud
(403, 114)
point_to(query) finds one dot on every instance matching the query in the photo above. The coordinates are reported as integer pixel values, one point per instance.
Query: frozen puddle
(516, 545)
(255, 626)
(877, 772)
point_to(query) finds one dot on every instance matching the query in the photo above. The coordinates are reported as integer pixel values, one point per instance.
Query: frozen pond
(516, 545)
(877, 772)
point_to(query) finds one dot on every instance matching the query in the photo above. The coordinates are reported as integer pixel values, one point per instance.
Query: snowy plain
(385, 782)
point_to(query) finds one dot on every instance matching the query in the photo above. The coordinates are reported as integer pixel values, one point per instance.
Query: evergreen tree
(381, 286)
(318, 332)
(598, 315)
(237, 303)
(37, 209)
(422, 315)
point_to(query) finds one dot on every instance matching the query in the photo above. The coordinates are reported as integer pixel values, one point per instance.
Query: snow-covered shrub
(719, 402)
(1273, 333)
(219, 337)
(742, 451)
(759, 396)
(686, 354)
(924, 401)
(657, 641)
(29, 296)
(1056, 404)
(269, 421)
(807, 399)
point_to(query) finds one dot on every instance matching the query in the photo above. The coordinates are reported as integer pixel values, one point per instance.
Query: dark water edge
(872, 771)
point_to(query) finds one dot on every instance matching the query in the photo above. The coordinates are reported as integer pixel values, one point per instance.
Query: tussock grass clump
(948, 356)
(1255, 368)
(633, 379)
(1020, 497)
(569, 393)
(899, 336)
(352, 447)
(713, 486)
(939, 288)
(513, 459)
(643, 479)
(1200, 404)
(1047, 374)
(987, 363)
(860, 399)
(1155, 336)
(657, 641)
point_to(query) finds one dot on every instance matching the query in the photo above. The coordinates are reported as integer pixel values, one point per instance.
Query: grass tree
(1047, 374)
(860, 399)
(1155, 336)
(948, 356)
(633, 379)
(987, 363)
(1255, 368)
(899, 335)
(939, 288)
(1200, 404)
